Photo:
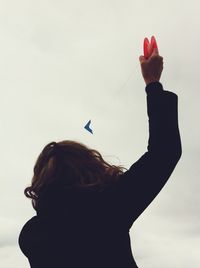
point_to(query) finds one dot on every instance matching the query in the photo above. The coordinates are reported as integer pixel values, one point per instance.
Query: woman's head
(73, 164)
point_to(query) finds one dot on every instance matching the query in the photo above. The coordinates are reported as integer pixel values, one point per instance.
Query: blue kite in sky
(87, 126)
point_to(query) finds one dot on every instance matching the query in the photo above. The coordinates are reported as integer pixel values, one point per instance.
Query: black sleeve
(142, 182)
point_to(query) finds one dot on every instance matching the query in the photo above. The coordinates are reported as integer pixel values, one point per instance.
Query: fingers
(155, 54)
(151, 48)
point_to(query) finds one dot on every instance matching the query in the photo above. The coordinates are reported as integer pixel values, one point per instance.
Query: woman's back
(84, 234)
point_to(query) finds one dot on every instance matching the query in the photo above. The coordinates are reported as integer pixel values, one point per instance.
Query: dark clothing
(90, 229)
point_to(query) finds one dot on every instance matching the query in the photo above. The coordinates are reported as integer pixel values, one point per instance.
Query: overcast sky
(63, 63)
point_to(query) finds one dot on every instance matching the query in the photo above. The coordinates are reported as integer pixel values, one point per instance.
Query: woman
(86, 207)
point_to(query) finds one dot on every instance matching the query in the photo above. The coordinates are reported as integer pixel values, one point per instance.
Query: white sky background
(64, 63)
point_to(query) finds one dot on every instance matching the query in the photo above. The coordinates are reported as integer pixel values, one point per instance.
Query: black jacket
(90, 229)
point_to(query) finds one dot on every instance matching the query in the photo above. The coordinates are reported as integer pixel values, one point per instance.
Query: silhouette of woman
(85, 207)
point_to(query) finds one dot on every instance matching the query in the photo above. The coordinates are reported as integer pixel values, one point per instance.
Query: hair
(73, 163)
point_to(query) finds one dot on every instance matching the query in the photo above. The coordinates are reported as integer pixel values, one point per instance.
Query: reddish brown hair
(73, 163)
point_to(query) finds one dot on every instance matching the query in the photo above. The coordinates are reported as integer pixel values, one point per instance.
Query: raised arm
(146, 177)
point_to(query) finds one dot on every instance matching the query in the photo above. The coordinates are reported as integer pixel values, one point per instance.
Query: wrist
(151, 81)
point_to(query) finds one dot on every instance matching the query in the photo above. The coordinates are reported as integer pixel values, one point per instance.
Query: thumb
(142, 59)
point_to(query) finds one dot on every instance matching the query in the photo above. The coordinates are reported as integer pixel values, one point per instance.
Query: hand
(151, 67)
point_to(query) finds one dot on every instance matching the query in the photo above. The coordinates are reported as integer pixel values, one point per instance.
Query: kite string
(129, 77)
